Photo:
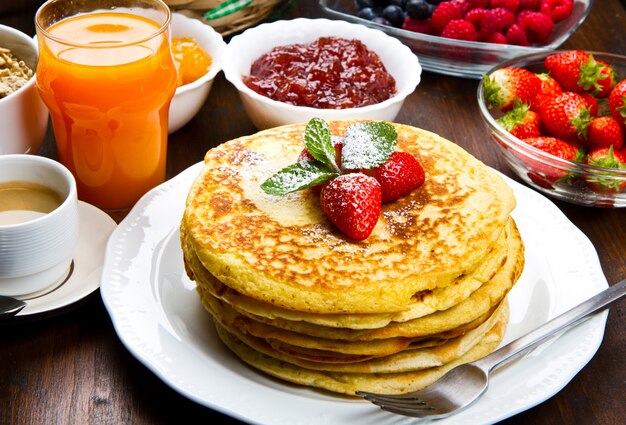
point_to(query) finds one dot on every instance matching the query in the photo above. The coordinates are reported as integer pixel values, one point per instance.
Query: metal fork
(462, 385)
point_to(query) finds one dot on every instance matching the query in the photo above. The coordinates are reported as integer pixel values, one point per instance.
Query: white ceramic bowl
(23, 115)
(189, 98)
(264, 112)
(35, 254)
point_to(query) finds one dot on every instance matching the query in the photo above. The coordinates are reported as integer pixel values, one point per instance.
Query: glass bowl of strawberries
(467, 38)
(559, 120)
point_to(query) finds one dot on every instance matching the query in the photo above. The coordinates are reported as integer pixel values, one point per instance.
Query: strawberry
(521, 122)
(558, 10)
(603, 132)
(549, 88)
(504, 85)
(617, 103)
(577, 71)
(460, 29)
(553, 146)
(606, 158)
(592, 103)
(444, 13)
(305, 155)
(352, 202)
(399, 176)
(536, 25)
(566, 116)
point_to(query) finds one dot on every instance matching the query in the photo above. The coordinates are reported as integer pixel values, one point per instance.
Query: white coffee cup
(37, 253)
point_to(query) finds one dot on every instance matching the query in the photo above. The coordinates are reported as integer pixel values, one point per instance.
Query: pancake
(281, 250)
(350, 383)
(468, 313)
(424, 303)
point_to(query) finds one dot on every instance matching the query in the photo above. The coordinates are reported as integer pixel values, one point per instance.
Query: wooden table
(72, 368)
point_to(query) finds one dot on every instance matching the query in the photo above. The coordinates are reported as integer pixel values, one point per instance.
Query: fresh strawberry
(521, 122)
(483, 21)
(444, 13)
(399, 176)
(553, 146)
(566, 116)
(460, 29)
(617, 103)
(504, 85)
(603, 132)
(549, 88)
(517, 36)
(352, 202)
(592, 103)
(606, 158)
(537, 26)
(512, 5)
(558, 10)
(577, 71)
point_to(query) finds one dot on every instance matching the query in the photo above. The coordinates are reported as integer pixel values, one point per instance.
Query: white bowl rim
(233, 76)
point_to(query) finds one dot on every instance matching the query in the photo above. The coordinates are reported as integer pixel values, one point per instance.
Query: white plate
(95, 227)
(159, 318)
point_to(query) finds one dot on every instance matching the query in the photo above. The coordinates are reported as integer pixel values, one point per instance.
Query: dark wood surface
(72, 368)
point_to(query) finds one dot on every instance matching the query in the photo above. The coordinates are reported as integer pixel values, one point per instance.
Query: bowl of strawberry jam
(288, 72)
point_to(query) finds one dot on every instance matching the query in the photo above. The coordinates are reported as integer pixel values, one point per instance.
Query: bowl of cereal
(290, 71)
(23, 115)
(197, 50)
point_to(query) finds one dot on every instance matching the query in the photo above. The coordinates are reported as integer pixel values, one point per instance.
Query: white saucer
(84, 274)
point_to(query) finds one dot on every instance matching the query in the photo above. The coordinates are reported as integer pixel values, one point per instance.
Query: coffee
(22, 201)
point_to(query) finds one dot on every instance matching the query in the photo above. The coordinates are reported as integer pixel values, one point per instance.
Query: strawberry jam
(329, 73)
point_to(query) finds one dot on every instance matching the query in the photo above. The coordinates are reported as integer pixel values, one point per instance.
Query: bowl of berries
(466, 38)
(559, 120)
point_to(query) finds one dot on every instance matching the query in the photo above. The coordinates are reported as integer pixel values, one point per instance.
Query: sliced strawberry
(566, 116)
(504, 85)
(352, 202)
(399, 176)
(606, 158)
(604, 132)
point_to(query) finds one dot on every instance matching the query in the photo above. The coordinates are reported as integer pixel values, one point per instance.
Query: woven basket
(230, 16)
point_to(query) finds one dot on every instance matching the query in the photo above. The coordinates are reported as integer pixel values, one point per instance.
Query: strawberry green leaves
(365, 146)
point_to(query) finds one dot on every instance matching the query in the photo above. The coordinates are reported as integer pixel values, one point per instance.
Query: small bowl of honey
(197, 50)
(290, 71)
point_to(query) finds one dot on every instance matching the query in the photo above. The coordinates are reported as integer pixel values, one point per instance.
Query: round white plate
(158, 316)
(95, 227)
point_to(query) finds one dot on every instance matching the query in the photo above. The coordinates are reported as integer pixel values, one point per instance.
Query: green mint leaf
(367, 145)
(318, 143)
(298, 176)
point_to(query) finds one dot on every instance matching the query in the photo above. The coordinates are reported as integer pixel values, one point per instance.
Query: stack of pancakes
(293, 297)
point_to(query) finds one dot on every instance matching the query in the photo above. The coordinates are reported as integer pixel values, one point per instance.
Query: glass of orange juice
(107, 75)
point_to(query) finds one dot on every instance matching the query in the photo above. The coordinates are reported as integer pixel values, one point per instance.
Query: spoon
(10, 306)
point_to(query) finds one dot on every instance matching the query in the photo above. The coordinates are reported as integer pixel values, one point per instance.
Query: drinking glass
(107, 76)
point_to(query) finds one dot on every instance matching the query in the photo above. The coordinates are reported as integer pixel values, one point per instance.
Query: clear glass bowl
(458, 58)
(534, 166)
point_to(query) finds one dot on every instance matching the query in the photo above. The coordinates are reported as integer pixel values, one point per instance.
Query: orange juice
(108, 93)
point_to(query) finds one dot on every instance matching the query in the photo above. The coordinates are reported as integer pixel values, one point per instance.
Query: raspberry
(483, 21)
(503, 18)
(497, 38)
(537, 26)
(478, 3)
(516, 35)
(558, 10)
(530, 5)
(512, 5)
(460, 29)
(444, 13)
(418, 25)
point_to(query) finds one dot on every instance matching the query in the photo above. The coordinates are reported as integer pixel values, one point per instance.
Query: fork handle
(562, 322)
